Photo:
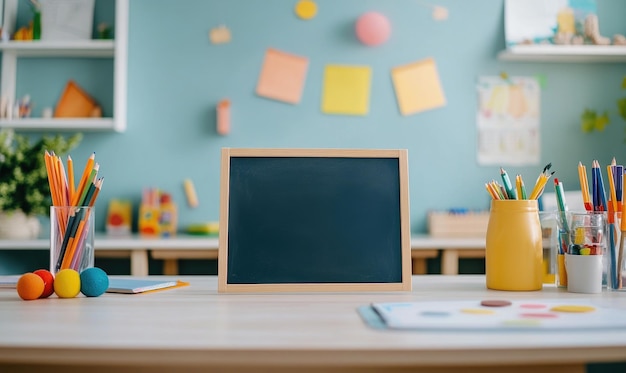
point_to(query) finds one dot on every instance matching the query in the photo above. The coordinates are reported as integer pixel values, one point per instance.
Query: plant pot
(15, 225)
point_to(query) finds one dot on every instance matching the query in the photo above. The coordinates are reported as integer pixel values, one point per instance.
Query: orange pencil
(70, 177)
(491, 192)
(98, 184)
(612, 195)
(65, 192)
(83, 180)
(50, 177)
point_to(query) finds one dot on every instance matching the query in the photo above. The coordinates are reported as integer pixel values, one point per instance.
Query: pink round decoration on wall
(372, 28)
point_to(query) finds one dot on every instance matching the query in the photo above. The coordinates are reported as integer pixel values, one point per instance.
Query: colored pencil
(540, 184)
(562, 206)
(612, 193)
(83, 180)
(601, 197)
(584, 186)
(620, 253)
(507, 184)
(70, 177)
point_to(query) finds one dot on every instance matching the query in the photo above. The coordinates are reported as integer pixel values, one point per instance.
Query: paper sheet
(536, 314)
(346, 89)
(507, 121)
(418, 87)
(282, 76)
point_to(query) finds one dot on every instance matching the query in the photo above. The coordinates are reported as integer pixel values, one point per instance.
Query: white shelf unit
(116, 49)
(564, 53)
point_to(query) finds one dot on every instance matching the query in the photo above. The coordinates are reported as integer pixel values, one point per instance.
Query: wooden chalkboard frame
(404, 278)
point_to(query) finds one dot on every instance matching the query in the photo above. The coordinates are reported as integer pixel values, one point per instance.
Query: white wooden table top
(196, 325)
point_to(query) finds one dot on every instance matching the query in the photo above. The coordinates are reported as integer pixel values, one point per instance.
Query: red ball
(48, 281)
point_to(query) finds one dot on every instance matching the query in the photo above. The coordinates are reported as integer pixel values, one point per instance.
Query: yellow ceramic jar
(514, 252)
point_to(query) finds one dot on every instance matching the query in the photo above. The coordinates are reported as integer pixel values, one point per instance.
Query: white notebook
(133, 286)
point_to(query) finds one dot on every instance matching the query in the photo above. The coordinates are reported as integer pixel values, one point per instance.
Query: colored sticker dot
(522, 322)
(434, 314)
(533, 305)
(572, 308)
(306, 9)
(477, 311)
(539, 315)
(495, 303)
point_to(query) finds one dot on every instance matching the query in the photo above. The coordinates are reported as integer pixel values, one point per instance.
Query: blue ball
(93, 282)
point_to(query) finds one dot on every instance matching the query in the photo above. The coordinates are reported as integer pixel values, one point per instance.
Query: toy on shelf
(168, 215)
(211, 228)
(158, 214)
(148, 223)
(119, 218)
(190, 193)
(76, 103)
(592, 31)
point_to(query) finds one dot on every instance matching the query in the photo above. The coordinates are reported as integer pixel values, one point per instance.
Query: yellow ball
(67, 283)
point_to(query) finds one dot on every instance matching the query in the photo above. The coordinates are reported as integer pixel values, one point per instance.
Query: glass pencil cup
(514, 251)
(585, 257)
(71, 238)
(549, 243)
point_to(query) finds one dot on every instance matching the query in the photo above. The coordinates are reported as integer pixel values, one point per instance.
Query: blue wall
(176, 77)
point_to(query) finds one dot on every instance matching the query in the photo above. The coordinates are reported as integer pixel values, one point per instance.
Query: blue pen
(601, 195)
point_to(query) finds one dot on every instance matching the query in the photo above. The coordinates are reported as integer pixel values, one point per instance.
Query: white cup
(584, 273)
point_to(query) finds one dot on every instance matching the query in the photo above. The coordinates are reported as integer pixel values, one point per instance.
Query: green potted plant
(24, 188)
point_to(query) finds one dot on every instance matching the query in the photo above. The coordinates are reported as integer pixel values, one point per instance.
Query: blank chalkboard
(314, 220)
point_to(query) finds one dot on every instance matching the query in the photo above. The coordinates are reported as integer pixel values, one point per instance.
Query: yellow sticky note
(282, 76)
(417, 87)
(346, 89)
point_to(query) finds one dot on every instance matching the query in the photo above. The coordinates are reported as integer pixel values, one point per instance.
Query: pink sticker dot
(538, 315)
(533, 305)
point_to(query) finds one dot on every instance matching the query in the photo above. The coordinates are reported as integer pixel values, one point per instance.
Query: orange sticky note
(417, 87)
(282, 76)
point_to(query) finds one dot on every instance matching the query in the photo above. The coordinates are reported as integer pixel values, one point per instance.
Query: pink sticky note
(282, 76)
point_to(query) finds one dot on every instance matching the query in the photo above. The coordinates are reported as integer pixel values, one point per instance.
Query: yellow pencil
(518, 186)
(584, 186)
(541, 181)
